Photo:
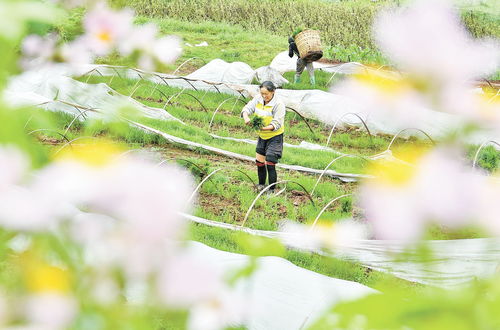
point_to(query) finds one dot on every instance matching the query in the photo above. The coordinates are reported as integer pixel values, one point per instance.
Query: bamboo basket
(309, 44)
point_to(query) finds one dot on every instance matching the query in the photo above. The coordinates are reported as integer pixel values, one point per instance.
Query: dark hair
(268, 85)
(290, 40)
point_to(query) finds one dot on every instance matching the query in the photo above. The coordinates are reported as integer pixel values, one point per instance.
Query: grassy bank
(345, 25)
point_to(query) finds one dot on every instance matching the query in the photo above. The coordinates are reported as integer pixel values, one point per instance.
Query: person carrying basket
(307, 43)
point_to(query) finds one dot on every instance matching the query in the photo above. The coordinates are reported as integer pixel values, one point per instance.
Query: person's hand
(246, 118)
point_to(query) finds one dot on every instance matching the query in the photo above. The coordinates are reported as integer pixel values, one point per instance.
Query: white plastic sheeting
(334, 108)
(279, 294)
(283, 63)
(221, 71)
(327, 107)
(50, 89)
(345, 177)
(456, 262)
(451, 263)
(267, 73)
(303, 144)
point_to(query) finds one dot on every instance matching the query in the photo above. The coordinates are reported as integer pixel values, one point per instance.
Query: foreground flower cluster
(105, 31)
(436, 187)
(118, 218)
(439, 65)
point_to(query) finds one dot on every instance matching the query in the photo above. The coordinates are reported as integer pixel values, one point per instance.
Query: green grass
(231, 43)
(228, 123)
(228, 195)
(257, 44)
(345, 25)
(324, 80)
(488, 158)
(230, 241)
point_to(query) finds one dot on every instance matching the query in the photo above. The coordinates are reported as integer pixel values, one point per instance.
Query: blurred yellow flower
(104, 36)
(46, 278)
(93, 154)
(489, 104)
(397, 173)
(387, 86)
(392, 173)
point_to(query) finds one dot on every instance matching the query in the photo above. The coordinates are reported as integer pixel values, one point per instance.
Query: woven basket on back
(309, 45)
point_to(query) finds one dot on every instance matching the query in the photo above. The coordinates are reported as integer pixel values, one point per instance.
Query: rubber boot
(296, 80)
(313, 80)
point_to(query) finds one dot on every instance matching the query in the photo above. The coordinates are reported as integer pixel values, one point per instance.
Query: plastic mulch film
(280, 295)
(455, 262)
(51, 89)
(346, 177)
(327, 107)
(451, 263)
(277, 295)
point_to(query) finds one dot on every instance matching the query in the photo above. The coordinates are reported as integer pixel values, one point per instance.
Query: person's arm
(278, 118)
(290, 50)
(295, 49)
(248, 109)
(246, 118)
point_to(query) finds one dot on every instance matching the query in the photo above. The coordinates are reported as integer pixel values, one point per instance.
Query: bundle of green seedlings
(256, 123)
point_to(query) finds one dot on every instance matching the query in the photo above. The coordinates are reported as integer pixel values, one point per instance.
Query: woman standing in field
(271, 109)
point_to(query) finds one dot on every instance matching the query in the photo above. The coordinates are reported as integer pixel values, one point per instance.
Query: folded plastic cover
(450, 263)
(327, 107)
(50, 89)
(280, 295)
(222, 71)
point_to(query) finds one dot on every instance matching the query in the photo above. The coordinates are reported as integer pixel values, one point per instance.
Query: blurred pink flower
(69, 180)
(392, 212)
(22, 208)
(490, 207)
(105, 28)
(190, 282)
(142, 197)
(186, 281)
(439, 60)
(148, 197)
(227, 310)
(105, 290)
(428, 39)
(141, 37)
(167, 49)
(77, 52)
(38, 50)
(441, 190)
(91, 228)
(13, 166)
(25, 210)
(447, 189)
(50, 310)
